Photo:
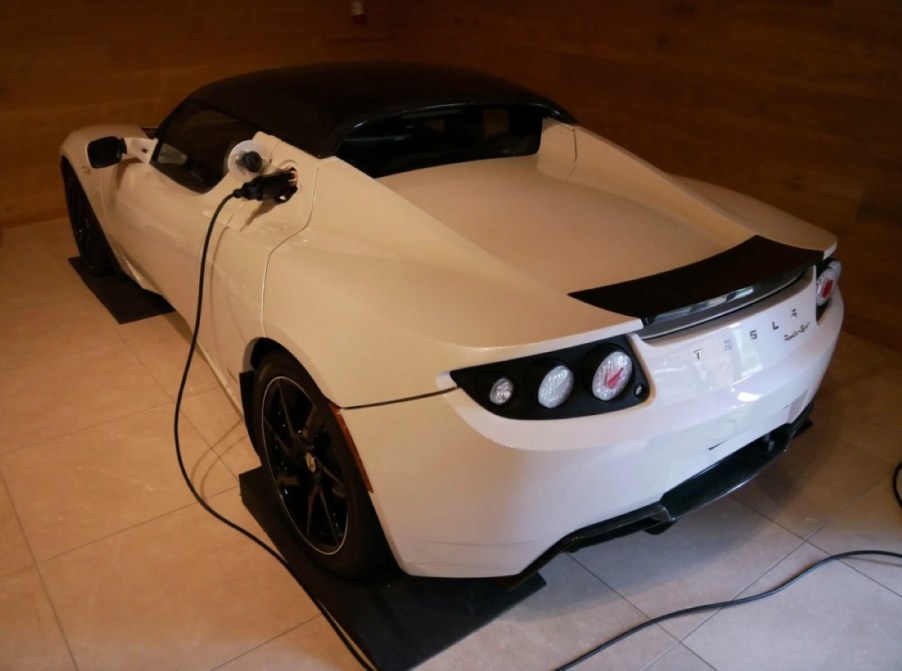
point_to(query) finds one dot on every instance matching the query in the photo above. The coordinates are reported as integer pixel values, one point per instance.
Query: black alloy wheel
(312, 471)
(308, 478)
(92, 244)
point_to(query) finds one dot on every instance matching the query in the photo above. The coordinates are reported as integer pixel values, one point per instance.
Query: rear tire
(93, 247)
(313, 473)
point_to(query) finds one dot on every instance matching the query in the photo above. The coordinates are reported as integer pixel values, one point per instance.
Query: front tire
(313, 472)
(92, 244)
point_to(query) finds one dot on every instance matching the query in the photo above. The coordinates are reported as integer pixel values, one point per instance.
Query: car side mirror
(106, 151)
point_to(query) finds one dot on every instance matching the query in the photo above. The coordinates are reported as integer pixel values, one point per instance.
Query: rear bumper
(724, 477)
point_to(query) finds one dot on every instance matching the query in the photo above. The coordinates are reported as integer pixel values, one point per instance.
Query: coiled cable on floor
(238, 193)
(743, 600)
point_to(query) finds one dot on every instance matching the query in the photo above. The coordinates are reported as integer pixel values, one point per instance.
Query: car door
(162, 210)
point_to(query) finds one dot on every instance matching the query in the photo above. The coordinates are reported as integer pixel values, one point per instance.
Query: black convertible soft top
(314, 107)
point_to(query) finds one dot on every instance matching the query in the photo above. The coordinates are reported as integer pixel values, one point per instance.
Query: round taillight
(826, 282)
(612, 375)
(502, 391)
(555, 387)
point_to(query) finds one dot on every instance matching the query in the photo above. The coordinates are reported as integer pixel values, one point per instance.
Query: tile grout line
(855, 500)
(807, 538)
(676, 641)
(845, 562)
(269, 640)
(680, 644)
(42, 441)
(718, 611)
(854, 564)
(169, 402)
(184, 414)
(36, 568)
(708, 617)
(211, 446)
(114, 328)
(132, 527)
(172, 401)
(51, 359)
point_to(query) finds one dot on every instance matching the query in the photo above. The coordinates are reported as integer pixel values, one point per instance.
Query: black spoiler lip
(756, 261)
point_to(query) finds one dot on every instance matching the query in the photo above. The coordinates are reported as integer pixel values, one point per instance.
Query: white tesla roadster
(466, 330)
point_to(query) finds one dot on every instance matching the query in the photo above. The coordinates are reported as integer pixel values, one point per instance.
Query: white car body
(381, 288)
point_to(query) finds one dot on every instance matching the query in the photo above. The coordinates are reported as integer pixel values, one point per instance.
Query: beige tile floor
(107, 563)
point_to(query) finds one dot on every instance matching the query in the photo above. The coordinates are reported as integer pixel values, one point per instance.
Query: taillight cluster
(828, 272)
(583, 380)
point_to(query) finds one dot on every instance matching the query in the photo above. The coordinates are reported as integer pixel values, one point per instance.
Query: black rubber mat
(124, 299)
(399, 622)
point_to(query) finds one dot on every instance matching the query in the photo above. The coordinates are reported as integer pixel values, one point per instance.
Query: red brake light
(826, 282)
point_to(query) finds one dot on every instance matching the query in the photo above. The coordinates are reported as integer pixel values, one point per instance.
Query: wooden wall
(71, 63)
(797, 102)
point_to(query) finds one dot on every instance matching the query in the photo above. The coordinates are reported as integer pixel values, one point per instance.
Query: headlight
(584, 380)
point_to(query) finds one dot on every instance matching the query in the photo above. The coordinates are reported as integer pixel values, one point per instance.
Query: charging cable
(278, 187)
(747, 599)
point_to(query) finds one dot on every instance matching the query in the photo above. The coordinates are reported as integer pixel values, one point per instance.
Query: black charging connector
(278, 186)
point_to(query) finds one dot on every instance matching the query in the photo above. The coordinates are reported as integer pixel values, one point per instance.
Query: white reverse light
(501, 391)
(556, 386)
(612, 375)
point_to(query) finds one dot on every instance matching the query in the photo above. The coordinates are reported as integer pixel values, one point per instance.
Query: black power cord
(747, 599)
(279, 187)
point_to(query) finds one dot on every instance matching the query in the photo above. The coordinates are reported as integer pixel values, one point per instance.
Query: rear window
(441, 136)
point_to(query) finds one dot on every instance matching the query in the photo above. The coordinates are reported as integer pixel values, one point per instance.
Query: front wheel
(313, 472)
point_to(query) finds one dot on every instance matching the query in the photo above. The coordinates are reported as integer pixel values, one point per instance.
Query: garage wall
(798, 102)
(71, 63)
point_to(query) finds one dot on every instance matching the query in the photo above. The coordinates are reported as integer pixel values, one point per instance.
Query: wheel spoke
(331, 475)
(285, 480)
(284, 404)
(312, 427)
(329, 520)
(311, 497)
(286, 447)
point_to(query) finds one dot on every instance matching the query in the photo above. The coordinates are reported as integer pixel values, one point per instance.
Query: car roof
(315, 106)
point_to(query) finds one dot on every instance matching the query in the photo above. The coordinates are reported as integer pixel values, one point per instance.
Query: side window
(194, 144)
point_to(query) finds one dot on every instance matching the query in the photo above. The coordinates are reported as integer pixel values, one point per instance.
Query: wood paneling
(796, 102)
